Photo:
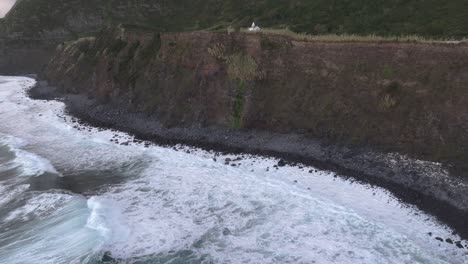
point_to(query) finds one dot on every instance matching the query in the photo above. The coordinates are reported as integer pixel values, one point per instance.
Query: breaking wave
(59, 237)
(29, 164)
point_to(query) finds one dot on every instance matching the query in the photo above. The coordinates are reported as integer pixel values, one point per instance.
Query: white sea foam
(32, 164)
(106, 219)
(59, 237)
(9, 192)
(39, 205)
(42, 132)
(29, 163)
(250, 215)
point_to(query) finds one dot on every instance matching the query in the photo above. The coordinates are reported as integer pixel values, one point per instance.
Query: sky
(5, 6)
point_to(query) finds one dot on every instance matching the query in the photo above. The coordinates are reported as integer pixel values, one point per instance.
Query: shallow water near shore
(75, 194)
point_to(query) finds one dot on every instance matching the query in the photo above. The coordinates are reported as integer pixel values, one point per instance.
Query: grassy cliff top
(428, 18)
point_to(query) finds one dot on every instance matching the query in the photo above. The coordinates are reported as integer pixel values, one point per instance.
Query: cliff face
(406, 97)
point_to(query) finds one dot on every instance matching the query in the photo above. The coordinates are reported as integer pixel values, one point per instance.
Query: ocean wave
(107, 220)
(8, 193)
(60, 237)
(39, 206)
(190, 203)
(28, 163)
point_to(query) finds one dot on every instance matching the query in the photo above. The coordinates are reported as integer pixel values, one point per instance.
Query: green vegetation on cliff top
(429, 18)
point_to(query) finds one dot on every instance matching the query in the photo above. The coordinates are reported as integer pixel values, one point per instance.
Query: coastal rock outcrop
(403, 97)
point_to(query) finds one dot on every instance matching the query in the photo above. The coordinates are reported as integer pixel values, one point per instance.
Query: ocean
(71, 193)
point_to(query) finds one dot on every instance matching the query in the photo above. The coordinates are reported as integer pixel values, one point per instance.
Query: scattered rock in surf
(430, 233)
(107, 257)
(459, 245)
(227, 161)
(281, 163)
(226, 231)
(448, 240)
(295, 181)
(440, 239)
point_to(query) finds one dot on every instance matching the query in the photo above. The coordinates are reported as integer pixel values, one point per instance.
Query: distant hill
(433, 18)
(32, 29)
(52, 18)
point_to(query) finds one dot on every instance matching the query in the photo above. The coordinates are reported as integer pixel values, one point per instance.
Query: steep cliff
(406, 97)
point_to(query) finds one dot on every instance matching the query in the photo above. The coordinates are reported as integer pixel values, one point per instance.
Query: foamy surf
(209, 209)
(59, 237)
(140, 203)
(9, 192)
(39, 205)
(28, 163)
(106, 218)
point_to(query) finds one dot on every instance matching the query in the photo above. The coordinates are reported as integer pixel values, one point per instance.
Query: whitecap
(59, 237)
(30, 164)
(39, 205)
(33, 165)
(106, 218)
(8, 193)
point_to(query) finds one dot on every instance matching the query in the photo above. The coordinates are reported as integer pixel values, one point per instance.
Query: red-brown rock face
(408, 97)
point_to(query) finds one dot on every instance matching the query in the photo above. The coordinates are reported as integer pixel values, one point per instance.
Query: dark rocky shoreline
(429, 186)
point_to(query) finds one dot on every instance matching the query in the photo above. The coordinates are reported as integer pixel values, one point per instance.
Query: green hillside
(432, 18)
